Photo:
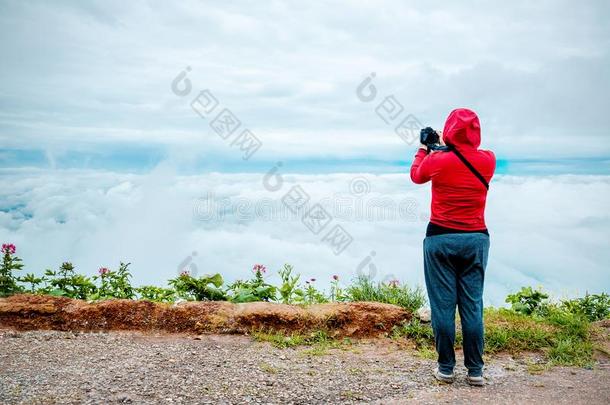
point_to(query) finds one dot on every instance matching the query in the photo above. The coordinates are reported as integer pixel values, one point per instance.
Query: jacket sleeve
(420, 168)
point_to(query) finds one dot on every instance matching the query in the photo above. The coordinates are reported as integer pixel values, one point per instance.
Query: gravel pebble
(126, 367)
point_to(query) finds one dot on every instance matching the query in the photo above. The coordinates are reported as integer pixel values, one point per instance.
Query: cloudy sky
(102, 157)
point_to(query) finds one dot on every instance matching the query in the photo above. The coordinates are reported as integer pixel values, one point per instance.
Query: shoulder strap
(471, 167)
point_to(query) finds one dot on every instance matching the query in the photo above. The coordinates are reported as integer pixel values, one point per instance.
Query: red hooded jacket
(458, 196)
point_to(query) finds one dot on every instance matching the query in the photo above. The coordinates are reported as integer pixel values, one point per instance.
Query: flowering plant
(66, 282)
(10, 263)
(336, 292)
(114, 284)
(255, 289)
(9, 248)
(394, 283)
(312, 295)
(259, 269)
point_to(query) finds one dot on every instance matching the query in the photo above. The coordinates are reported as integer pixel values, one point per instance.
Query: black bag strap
(471, 167)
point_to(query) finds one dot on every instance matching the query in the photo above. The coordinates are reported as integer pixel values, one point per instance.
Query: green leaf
(216, 279)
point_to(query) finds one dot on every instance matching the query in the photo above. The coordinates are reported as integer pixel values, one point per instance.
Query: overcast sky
(88, 83)
(102, 157)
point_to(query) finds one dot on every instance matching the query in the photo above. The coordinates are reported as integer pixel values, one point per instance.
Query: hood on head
(462, 128)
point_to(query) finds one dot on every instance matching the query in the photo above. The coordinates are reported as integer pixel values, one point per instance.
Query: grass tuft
(364, 289)
(510, 331)
(564, 337)
(320, 341)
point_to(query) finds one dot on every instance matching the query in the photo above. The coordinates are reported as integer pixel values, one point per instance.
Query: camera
(430, 138)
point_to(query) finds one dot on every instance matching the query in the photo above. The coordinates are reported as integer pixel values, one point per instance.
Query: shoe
(476, 381)
(446, 378)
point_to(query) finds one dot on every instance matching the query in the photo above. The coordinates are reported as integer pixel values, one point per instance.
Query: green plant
(319, 340)
(279, 340)
(10, 263)
(564, 336)
(289, 290)
(420, 333)
(570, 351)
(574, 325)
(114, 284)
(32, 280)
(156, 294)
(511, 331)
(336, 292)
(364, 289)
(67, 283)
(594, 307)
(527, 300)
(204, 288)
(311, 294)
(252, 290)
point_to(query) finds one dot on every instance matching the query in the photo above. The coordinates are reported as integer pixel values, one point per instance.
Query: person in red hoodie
(456, 245)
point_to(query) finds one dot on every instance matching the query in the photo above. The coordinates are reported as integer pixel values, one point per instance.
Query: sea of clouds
(545, 231)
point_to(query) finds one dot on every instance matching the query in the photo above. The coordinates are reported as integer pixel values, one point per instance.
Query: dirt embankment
(355, 319)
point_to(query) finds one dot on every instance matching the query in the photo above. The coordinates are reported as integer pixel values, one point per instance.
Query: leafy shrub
(364, 289)
(67, 283)
(156, 294)
(204, 288)
(255, 289)
(594, 307)
(527, 301)
(114, 284)
(34, 281)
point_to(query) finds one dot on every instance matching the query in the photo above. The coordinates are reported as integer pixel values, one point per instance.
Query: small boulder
(424, 314)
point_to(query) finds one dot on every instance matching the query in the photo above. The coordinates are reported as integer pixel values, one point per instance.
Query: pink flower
(103, 271)
(8, 248)
(336, 277)
(394, 283)
(259, 268)
(185, 273)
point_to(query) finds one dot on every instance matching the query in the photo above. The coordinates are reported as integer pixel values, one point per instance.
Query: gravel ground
(64, 367)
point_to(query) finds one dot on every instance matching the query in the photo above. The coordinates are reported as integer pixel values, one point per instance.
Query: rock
(424, 314)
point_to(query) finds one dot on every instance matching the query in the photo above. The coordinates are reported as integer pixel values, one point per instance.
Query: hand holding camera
(432, 140)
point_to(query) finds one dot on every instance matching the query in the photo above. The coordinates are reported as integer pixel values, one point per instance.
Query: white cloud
(549, 231)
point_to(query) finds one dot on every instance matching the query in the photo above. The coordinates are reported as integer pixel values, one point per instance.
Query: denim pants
(454, 266)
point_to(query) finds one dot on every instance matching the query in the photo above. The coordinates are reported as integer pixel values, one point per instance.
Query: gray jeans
(454, 266)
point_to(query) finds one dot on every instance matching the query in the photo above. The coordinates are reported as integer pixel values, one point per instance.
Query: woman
(457, 241)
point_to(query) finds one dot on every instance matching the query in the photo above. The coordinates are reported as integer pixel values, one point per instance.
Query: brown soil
(355, 319)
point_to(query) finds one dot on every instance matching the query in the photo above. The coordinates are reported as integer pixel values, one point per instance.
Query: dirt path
(63, 367)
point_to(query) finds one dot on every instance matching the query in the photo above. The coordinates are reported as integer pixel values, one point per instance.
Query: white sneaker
(446, 378)
(476, 381)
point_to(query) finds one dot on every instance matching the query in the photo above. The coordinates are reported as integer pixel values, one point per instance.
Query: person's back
(458, 197)
(457, 240)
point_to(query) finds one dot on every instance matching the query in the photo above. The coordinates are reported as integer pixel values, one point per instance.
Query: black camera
(430, 138)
